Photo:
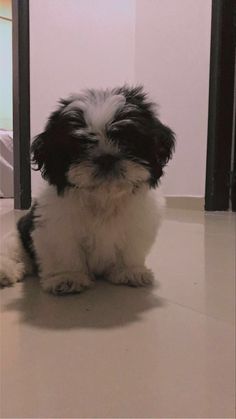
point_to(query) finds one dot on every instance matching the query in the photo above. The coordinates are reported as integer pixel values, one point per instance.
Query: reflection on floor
(166, 351)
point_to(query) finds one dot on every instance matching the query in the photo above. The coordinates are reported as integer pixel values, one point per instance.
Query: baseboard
(185, 202)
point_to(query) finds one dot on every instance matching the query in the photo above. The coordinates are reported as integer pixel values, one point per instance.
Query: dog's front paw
(66, 283)
(135, 276)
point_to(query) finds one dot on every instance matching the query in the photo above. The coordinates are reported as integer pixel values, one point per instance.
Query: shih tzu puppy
(102, 154)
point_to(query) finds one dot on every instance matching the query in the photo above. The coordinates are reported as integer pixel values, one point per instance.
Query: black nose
(106, 161)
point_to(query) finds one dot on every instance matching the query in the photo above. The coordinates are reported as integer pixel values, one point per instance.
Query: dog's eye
(114, 134)
(123, 135)
(91, 144)
(85, 139)
(91, 140)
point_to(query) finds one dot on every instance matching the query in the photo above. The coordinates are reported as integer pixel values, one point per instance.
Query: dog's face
(98, 138)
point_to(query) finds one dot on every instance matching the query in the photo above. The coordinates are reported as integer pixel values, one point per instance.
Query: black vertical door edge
(21, 104)
(221, 100)
(233, 174)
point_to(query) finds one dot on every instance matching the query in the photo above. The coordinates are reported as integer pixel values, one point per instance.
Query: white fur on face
(99, 108)
(104, 145)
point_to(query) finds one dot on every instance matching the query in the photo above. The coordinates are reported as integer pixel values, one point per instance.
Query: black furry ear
(49, 155)
(165, 143)
(38, 152)
(46, 151)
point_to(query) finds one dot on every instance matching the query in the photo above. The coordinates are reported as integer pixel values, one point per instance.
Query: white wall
(172, 60)
(164, 44)
(76, 44)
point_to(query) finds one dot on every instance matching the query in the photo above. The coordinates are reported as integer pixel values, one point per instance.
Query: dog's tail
(15, 262)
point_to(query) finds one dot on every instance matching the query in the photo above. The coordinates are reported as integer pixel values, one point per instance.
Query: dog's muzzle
(108, 165)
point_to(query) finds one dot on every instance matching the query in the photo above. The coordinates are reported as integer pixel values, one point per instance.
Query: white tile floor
(121, 352)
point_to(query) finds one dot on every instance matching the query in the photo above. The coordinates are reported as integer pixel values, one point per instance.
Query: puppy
(102, 154)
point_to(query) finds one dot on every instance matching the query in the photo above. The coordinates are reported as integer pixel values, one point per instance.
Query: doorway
(15, 103)
(6, 119)
(220, 191)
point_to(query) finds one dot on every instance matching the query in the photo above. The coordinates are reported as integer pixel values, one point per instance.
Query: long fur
(102, 154)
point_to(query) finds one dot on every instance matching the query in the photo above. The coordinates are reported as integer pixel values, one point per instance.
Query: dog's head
(102, 137)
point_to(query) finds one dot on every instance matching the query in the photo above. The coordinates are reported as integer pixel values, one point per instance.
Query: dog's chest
(100, 244)
(100, 230)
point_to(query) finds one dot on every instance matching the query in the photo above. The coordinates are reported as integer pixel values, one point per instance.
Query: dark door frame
(221, 105)
(21, 104)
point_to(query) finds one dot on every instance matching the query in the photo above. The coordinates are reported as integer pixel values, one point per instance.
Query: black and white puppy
(102, 154)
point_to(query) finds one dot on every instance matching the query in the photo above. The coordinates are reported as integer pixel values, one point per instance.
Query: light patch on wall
(5, 65)
(6, 9)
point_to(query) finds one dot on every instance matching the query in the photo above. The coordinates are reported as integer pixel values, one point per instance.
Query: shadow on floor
(104, 306)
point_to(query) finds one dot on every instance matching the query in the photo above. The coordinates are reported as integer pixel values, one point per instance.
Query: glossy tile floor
(166, 351)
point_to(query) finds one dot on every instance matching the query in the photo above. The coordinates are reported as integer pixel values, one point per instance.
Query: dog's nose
(106, 161)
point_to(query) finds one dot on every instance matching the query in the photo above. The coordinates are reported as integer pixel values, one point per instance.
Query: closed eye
(85, 138)
(92, 141)
(88, 143)
(136, 159)
(123, 129)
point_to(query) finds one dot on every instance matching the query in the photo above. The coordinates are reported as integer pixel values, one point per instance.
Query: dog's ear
(164, 143)
(46, 150)
(42, 153)
(49, 156)
(38, 151)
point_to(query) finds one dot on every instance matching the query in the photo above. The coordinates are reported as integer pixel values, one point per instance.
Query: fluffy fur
(102, 153)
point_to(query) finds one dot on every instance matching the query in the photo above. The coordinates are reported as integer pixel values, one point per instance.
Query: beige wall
(172, 60)
(76, 44)
(164, 44)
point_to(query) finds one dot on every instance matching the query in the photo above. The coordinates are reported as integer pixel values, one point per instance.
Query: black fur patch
(25, 226)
